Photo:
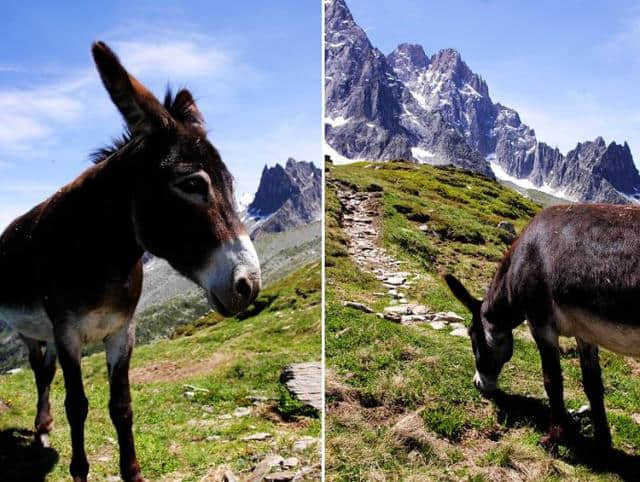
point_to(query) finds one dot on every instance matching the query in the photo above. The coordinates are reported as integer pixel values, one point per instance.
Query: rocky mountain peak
(287, 197)
(407, 60)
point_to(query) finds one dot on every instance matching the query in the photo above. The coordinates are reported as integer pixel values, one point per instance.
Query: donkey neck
(95, 209)
(498, 308)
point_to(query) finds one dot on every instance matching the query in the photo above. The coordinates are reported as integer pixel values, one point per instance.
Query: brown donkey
(71, 270)
(574, 271)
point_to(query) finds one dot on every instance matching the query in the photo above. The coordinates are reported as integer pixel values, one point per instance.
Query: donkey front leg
(119, 347)
(69, 346)
(592, 382)
(547, 340)
(43, 365)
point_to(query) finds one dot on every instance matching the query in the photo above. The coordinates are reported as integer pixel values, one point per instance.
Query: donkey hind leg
(43, 364)
(119, 347)
(69, 346)
(546, 339)
(592, 382)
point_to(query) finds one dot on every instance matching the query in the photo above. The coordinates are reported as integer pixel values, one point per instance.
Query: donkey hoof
(557, 435)
(603, 443)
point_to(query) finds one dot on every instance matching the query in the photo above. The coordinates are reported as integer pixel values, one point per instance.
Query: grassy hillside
(185, 391)
(169, 300)
(401, 403)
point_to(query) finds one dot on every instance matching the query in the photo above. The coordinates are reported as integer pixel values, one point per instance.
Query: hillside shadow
(21, 459)
(260, 304)
(519, 411)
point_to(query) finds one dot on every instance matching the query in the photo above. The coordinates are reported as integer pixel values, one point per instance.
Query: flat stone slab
(419, 309)
(358, 306)
(449, 316)
(456, 326)
(304, 443)
(282, 476)
(437, 325)
(304, 381)
(396, 309)
(461, 332)
(257, 436)
(396, 280)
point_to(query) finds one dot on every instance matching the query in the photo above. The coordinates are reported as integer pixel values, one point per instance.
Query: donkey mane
(178, 107)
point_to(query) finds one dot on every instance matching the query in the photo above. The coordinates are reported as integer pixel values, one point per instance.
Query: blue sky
(253, 66)
(570, 68)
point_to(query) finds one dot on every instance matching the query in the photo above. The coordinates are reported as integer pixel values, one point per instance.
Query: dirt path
(361, 222)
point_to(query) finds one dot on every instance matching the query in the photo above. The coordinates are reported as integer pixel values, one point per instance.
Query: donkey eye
(193, 185)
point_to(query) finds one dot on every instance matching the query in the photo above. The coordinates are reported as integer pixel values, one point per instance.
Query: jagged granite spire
(435, 109)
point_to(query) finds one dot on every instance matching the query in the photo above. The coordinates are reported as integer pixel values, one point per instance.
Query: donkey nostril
(243, 287)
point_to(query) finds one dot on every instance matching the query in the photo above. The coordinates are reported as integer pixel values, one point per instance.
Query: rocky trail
(361, 212)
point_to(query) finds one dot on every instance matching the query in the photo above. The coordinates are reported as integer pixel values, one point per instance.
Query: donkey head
(183, 207)
(492, 345)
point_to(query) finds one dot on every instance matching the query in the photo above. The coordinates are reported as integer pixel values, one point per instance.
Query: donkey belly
(619, 338)
(31, 322)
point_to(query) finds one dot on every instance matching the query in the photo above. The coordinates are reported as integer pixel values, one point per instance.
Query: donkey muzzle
(484, 383)
(232, 278)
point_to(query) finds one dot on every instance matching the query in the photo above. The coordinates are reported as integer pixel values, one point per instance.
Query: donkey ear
(460, 292)
(141, 110)
(183, 108)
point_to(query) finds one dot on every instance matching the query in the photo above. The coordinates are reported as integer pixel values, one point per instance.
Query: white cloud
(170, 58)
(34, 115)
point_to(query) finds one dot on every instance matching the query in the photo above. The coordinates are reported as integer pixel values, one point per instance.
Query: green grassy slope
(180, 435)
(401, 401)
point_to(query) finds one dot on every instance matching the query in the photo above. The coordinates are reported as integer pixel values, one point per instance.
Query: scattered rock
(456, 326)
(448, 316)
(257, 436)
(397, 309)
(437, 325)
(213, 438)
(283, 476)
(304, 443)
(290, 462)
(13, 371)
(264, 467)
(419, 310)
(193, 388)
(229, 476)
(507, 226)
(395, 317)
(304, 381)
(461, 332)
(396, 280)
(241, 412)
(358, 306)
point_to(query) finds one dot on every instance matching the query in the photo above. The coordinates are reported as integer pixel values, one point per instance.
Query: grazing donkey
(71, 270)
(574, 271)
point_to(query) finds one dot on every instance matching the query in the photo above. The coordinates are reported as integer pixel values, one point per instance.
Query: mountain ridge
(287, 197)
(436, 110)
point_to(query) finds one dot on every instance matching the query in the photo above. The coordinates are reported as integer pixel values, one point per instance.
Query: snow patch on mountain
(525, 183)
